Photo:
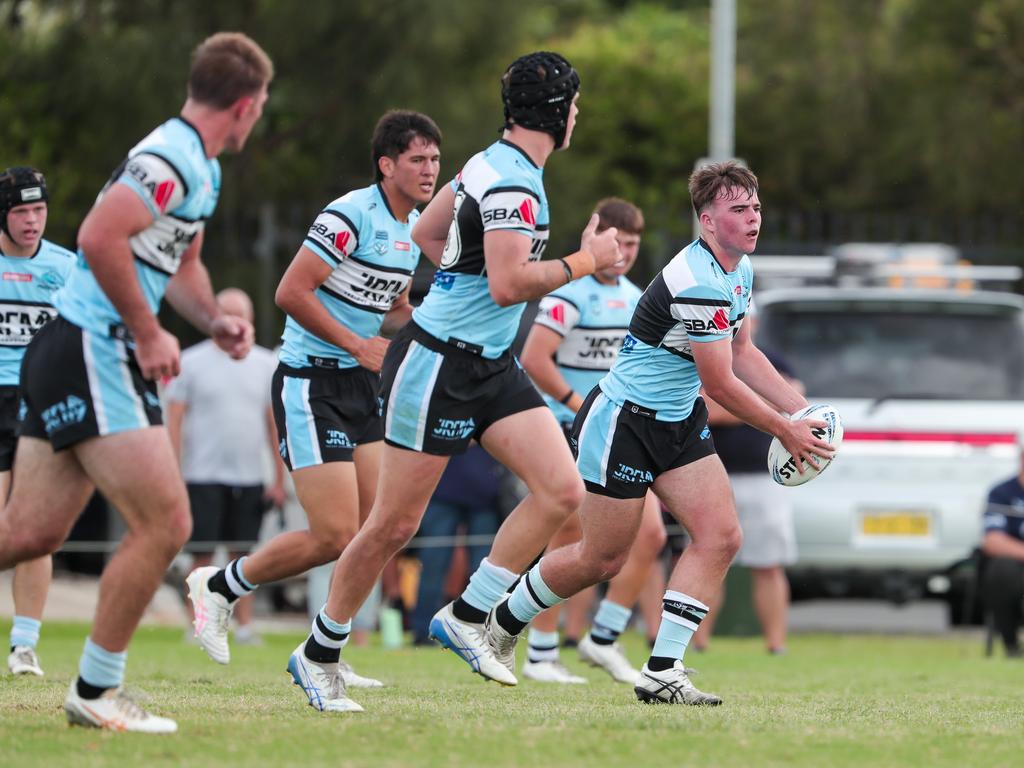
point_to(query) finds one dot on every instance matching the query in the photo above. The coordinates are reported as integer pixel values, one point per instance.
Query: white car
(930, 386)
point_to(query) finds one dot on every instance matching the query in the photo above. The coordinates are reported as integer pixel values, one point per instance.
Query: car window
(899, 349)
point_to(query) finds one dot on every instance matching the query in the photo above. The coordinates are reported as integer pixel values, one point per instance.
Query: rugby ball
(781, 465)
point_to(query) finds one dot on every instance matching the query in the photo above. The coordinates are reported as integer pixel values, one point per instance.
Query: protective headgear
(18, 186)
(537, 90)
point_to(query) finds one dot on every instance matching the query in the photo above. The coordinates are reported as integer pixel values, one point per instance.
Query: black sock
(463, 611)
(570, 642)
(87, 691)
(660, 663)
(218, 583)
(598, 640)
(506, 620)
(321, 654)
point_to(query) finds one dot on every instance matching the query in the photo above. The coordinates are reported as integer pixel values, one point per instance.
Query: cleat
(502, 644)
(213, 614)
(610, 658)
(23, 661)
(323, 684)
(115, 710)
(551, 672)
(354, 680)
(671, 687)
(469, 643)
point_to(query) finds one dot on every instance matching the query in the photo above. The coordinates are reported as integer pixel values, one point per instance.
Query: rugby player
(572, 345)
(450, 377)
(92, 415)
(348, 283)
(645, 426)
(33, 269)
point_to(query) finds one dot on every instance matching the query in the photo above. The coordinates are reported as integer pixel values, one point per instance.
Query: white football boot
(23, 661)
(502, 644)
(354, 680)
(671, 687)
(468, 641)
(551, 672)
(610, 658)
(323, 684)
(115, 710)
(212, 614)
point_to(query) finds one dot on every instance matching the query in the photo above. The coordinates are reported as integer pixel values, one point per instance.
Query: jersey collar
(387, 205)
(706, 247)
(520, 150)
(195, 130)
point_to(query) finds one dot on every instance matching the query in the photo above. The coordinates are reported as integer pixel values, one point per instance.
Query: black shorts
(322, 414)
(436, 397)
(77, 384)
(225, 513)
(10, 411)
(621, 449)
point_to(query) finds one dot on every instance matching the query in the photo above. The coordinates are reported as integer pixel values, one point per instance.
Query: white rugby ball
(781, 464)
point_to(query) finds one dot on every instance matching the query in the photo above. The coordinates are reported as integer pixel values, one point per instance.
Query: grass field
(833, 701)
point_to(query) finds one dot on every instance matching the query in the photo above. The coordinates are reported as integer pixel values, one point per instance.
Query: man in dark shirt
(1004, 545)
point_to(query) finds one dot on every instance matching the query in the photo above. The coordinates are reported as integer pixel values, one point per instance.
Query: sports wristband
(568, 270)
(580, 264)
(565, 400)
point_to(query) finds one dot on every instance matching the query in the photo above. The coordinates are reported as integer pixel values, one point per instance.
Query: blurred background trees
(864, 119)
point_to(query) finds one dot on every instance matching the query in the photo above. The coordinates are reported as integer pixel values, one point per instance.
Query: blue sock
(102, 668)
(25, 631)
(235, 578)
(531, 596)
(543, 646)
(488, 585)
(680, 617)
(327, 638)
(610, 622)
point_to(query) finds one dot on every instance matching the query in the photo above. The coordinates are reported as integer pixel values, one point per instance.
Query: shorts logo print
(151, 400)
(66, 413)
(338, 439)
(282, 448)
(705, 433)
(628, 474)
(454, 429)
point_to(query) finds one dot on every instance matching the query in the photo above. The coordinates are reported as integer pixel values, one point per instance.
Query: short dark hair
(709, 180)
(618, 213)
(226, 67)
(394, 133)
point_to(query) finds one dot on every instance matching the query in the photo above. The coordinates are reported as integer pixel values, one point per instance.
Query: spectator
(766, 516)
(1003, 545)
(466, 496)
(220, 422)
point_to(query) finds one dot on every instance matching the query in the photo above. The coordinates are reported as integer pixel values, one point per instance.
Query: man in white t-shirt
(220, 421)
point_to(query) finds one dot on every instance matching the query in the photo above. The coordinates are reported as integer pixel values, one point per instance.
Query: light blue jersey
(27, 291)
(692, 300)
(498, 189)
(170, 172)
(592, 319)
(373, 257)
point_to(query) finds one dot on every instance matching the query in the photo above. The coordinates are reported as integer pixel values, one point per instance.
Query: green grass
(833, 701)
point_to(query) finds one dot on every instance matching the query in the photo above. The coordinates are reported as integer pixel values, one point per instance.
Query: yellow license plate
(895, 524)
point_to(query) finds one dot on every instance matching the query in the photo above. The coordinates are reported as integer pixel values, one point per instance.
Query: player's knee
(332, 543)
(179, 530)
(731, 538)
(27, 545)
(602, 564)
(566, 496)
(651, 541)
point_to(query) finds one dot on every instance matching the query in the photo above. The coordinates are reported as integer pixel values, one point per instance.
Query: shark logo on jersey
(66, 413)
(628, 344)
(51, 280)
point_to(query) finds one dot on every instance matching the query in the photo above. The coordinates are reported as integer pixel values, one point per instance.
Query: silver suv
(930, 385)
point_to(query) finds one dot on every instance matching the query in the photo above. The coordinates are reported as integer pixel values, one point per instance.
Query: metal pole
(721, 133)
